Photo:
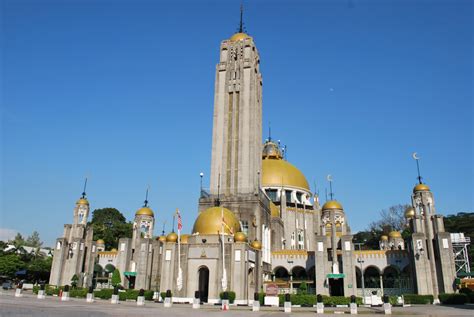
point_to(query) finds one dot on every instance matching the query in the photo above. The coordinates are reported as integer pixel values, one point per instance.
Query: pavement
(30, 306)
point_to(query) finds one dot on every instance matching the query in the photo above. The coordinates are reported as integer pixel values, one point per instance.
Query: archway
(390, 277)
(281, 274)
(372, 277)
(358, 278)
(299, 273)
(203, 278)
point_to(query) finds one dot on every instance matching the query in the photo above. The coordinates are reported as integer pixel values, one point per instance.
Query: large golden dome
(332, 204)
(239, 37)
(209, 221)
(82, 201)
(421, 188)
(278, 172)
(144, 211)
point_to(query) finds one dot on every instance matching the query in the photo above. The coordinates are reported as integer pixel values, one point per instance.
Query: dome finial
(331, 194)
(146, 197)
(416, 158)
(241, 25)
(84, 190)
(269, 131)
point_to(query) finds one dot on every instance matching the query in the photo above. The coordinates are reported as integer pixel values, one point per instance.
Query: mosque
(259, 223)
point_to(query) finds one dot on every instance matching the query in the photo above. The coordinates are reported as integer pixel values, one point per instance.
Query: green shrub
(36, 288)
(471, 297)
(453, 299)
(393, 300)
(303, 288)
(465, 290)
(418, 299)
(52, 290)
(231, 296)
(78, 292)
(149, 295)
(261, 298)
(116, 278)
(104, 293)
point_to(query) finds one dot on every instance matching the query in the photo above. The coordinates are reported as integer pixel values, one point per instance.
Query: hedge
(418, 299)
(309, 300)
(231, 295)
(453, 299)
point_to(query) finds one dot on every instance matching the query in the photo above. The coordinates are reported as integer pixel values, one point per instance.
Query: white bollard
(114, 299)
(65, 296)
(90, 298)
(41, 294)
(225, 304)
(141, 301)
(256, 305)
(196, 303)
(319, 308)
(287, 307)
(168, 302)
(19, 292)
(353, 309)
(387, 308)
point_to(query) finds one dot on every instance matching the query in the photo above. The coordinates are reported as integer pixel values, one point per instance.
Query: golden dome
(271, 150)
(395, 234)
(421, 188)
(162, 238)
(384, 237)
(239, 37)
(100, 241)
(410, 213)
(332, 204)
(274, 210)
(113, 250)
(209, 221)
(145, 211)
(172, 237)
(240, 237)
(256, 245)
(184, 238)
(82, 201)
(278, 172)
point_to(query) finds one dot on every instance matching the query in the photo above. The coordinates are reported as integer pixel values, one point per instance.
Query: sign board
(272, 290)
(341, 275)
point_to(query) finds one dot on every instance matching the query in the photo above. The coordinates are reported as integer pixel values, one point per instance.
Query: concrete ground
(29, 305)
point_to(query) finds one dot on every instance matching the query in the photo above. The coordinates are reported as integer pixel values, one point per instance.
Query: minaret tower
(431, 248)
(237, 126)
(144, 222)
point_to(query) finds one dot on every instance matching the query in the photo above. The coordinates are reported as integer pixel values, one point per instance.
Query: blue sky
(122, 91)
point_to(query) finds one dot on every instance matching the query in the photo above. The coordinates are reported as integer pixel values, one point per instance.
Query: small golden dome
(100, 241)
(209, 221)
(384, 237)
(256, 245)
(144, 211)
(239, 37)
(421, 188)
(113, 250)
(278, 172)
(395, 234)
(162, 238)
(410, 213)
(184, 238)
(240, 237)
(275, 211)
(271, 150)
(172, 237)
(332, 204)
(82, 201)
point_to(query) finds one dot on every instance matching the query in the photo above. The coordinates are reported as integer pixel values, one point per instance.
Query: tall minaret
(430, 246)
(237, 127)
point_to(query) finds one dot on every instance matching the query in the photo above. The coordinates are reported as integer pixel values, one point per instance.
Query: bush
(149, 295)
(465, 290)
(104, 293)
(418, 299)
(116, 278)
(36, 289)
(303, 289)
(471, 297)
(261, 298)
(309, 300)
(453, 299)
(78, 292)
(231, 296)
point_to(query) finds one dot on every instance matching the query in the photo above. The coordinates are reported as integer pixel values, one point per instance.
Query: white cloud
(7, 234)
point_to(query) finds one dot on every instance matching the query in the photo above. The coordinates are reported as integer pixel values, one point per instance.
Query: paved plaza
(29, 305)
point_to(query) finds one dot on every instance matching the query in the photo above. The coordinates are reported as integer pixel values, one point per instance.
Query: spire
(416, 158)
(84, 190)
(331, 194)
(269, 131)
(146, 197)
(241, 25)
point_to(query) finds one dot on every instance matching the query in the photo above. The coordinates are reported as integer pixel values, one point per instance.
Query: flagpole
(179, 279)
(224, 277)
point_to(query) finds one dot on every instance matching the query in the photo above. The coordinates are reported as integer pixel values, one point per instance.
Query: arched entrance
(372, 277)
(391, 277)
(203, 278)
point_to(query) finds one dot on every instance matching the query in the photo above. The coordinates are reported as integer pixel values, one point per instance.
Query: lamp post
(360, 261)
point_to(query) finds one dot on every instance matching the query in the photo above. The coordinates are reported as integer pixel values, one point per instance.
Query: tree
(74, 280)
(34, 240)
(109, 224)
(39, 268)
(18, 241)
(116, 279)
(10, 264)
(392, 218)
